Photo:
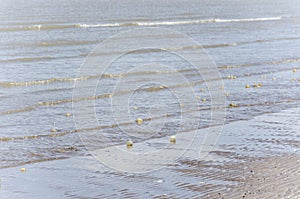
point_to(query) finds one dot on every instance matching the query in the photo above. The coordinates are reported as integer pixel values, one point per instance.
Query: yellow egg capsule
(22, 169)
(53, 130)
(232, 105)
(247, 86)
(129, 144)
(68, 114)
(173, 139)
(135, 107)
(139, 121)
(294, 70)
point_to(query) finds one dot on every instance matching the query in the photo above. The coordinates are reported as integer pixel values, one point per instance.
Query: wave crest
(170, 23)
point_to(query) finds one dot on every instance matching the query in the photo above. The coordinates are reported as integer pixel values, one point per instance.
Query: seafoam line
(56, 80)
(172, 23)
(40, 27)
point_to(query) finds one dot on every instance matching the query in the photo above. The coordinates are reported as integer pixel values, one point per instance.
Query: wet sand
(257, 158)
(276, 177)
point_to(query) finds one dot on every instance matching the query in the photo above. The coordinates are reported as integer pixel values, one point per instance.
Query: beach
(249, 166)
(149, 99)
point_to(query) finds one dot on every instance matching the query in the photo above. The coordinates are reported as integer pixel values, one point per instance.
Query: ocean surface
(43, 44)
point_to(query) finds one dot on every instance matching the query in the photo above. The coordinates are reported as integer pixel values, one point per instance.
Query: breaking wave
(170, 23)
(40, 27)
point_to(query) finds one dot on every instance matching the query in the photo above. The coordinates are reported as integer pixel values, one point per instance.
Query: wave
(54, 103)
(148, 89)
(37, 82)
(27, 59)
(169, 23)
(284, 61)
(62, 133)
(58, 80)
(63, 43)
(39, 27)
(55, 80)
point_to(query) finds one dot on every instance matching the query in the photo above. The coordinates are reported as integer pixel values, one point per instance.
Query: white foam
(170, 23)
(248, 20)
(35, 27)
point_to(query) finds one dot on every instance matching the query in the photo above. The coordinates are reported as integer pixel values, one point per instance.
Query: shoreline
(253, 159)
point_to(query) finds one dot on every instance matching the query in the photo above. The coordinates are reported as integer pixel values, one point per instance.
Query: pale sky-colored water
(43, 44)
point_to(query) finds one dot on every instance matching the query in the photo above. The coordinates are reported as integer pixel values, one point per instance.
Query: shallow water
(44, 43)
(242, 144)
